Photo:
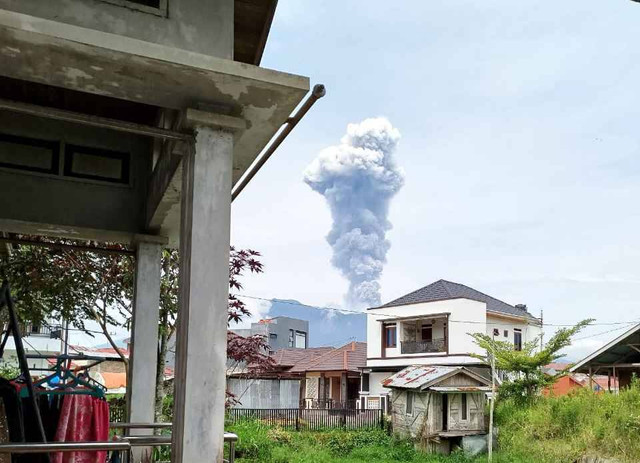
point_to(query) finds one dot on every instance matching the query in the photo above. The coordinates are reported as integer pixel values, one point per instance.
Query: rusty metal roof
(423, 376)
(460, 388)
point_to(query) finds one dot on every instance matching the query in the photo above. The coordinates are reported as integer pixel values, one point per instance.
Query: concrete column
(200, 383)
(343, 389)
(144, 338)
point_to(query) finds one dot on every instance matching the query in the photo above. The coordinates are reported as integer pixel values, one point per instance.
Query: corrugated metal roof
(460, 388)
(424, 376)
(416, 376)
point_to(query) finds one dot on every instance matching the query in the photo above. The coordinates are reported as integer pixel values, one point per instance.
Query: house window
(30, 154)
(464, 405)
(96, 164)
(158, 7)
(496, 332)
(292, 338)
(365, 382)
(273, 336)
(301, 339)
(390, 336)
(427, 333)
(517, 339)
(409, 403)
(506, 333)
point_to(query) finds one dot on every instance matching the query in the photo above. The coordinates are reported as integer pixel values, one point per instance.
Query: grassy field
(260, 444)
(551, 430)
(557, 430)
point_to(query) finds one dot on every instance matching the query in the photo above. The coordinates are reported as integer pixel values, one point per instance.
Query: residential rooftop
(443, 290)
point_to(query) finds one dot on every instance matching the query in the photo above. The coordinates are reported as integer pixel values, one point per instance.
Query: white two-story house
(431, 326)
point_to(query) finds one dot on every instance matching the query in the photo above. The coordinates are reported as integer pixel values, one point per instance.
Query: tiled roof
(443, 290)
(291, 357)
(350, 357)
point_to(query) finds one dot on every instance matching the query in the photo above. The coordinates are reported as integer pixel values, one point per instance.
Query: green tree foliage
(526, 377)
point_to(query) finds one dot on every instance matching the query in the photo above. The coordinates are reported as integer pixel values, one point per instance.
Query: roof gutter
(317, 92)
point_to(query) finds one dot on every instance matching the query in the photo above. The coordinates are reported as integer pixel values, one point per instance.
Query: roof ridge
(445, 285)
(334, 351)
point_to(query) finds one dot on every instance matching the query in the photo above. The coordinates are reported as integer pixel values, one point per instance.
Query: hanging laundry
(83, 418)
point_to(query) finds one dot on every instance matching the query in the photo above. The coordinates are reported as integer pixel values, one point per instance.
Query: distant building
(44, 338)
(431, 327)
(281, 332)
(317, 377)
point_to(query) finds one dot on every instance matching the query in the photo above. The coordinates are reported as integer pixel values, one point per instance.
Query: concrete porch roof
(86, 60)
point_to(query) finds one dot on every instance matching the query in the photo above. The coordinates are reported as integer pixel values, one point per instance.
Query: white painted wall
(466, 316)
(529, 331)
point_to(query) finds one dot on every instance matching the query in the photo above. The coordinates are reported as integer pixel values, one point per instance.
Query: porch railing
(423, 347)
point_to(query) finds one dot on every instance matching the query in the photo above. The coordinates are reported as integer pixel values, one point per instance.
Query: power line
(341, 310)
(604, 332)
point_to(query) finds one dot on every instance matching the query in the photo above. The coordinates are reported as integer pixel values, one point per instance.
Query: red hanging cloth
(83, 418)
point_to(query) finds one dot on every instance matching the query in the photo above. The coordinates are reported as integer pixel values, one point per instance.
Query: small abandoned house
(439, 406)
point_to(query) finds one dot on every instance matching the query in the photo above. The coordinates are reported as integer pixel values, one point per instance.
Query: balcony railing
(423, 347)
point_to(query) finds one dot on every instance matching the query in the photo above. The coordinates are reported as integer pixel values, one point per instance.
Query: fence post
(298, 419)
(381, 419)
(344, 417)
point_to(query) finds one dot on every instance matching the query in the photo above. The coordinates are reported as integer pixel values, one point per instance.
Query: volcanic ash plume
(358, 178)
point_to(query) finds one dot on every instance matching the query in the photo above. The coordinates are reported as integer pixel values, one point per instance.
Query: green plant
(525, 365)
(8, 370)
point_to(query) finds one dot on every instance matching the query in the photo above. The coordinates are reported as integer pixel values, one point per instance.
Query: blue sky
(520, 144)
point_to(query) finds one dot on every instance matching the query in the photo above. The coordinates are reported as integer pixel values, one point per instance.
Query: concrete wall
(48, 198)
(203, 26)
(280, 326)
(427, 414)
(265, 393)
(277, 331)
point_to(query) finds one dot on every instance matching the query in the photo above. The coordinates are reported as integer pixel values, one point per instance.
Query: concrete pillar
(343, 389)
(322, 391)
(200, 383)
(144, 339)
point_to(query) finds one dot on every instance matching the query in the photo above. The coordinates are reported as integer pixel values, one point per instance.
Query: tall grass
(548, 430)
(562, 429)
(259, 443)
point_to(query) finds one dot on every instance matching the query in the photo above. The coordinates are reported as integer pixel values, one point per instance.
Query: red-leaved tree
(55, 281)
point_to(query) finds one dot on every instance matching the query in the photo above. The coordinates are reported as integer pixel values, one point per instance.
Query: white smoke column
(358, 178)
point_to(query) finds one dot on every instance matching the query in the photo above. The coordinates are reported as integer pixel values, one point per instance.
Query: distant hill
(326, 327)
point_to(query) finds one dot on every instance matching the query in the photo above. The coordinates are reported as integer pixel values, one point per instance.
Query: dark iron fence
(117, 410)
(310, 419)
(329, 403)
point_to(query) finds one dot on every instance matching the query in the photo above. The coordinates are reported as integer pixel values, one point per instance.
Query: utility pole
(491, 404)
(541, 330)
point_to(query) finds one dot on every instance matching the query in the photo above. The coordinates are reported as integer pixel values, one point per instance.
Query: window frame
(292, 338)
(409, 404)
(302, 334)
(517, 339)
(161, 10)
(387, 330)
(464, 407)
(367, 382)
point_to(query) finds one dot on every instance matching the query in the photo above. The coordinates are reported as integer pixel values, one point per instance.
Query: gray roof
(442, 290)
